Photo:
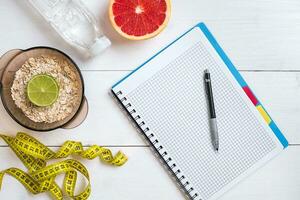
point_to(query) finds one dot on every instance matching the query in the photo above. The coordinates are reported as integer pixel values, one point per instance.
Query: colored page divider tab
(250, 95)
(264, 114)
(243, 84)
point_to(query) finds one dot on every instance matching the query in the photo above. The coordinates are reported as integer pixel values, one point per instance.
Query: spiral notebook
(165, 98)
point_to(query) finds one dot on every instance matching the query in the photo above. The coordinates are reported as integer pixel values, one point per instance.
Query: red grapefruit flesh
(139, 19)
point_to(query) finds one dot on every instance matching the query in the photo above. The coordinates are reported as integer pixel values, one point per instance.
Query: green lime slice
(42, 90)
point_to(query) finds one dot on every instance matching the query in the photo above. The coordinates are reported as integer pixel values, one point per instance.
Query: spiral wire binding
(159, 150)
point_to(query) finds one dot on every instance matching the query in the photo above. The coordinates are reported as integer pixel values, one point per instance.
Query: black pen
(213, 119)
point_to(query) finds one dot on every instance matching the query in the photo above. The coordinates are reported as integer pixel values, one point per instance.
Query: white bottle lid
(99, 46)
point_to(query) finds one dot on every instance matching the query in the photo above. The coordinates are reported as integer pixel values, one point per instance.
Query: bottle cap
(99, 46)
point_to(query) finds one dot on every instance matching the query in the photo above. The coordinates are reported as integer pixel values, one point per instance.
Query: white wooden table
(261, 36)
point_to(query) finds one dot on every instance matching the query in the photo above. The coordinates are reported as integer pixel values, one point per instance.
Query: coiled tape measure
(41, 178)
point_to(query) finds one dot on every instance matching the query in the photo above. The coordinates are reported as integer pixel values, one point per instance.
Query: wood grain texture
(107, 125)
(260, 36)
(144, 178)
(257, 34)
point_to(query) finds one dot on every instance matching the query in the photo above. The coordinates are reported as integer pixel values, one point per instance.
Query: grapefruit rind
(143, 37)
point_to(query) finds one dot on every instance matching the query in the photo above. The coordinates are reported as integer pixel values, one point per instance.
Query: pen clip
(206, 82)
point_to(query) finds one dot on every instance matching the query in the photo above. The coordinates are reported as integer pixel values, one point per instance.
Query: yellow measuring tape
(41, 178)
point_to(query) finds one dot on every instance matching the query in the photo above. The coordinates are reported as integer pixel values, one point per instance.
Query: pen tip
(206, 71)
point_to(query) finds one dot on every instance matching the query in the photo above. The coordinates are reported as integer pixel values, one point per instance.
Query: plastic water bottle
(74, 23)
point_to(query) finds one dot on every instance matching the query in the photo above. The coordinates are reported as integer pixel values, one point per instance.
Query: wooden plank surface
(144, 178)
(257, 34)
(107, 125)
(260, 36)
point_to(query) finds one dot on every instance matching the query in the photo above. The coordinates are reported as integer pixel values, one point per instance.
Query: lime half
(42, 90)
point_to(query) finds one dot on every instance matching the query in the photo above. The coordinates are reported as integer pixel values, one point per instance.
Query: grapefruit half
(139, 19)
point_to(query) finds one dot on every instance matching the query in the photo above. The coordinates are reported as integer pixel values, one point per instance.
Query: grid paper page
(173, 104)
